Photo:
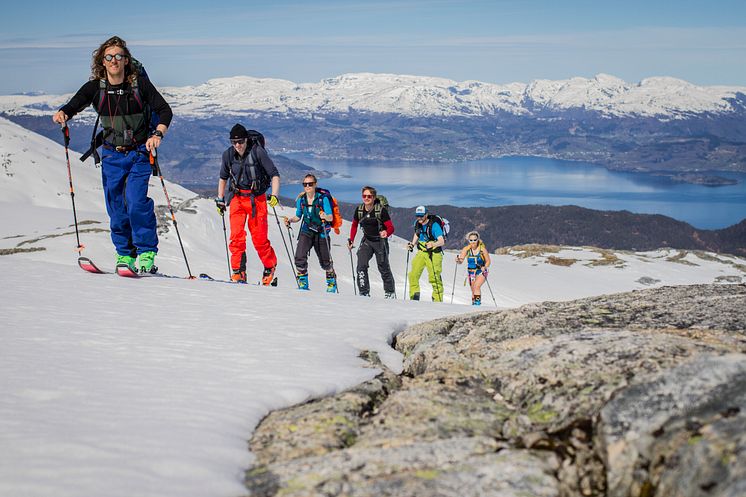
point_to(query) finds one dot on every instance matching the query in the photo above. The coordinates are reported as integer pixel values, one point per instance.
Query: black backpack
(256, 138)
(259, 179)
(150, 118)
(445, 226)
(379, 204)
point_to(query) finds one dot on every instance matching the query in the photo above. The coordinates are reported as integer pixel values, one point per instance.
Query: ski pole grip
(154, 162)
(66, 134)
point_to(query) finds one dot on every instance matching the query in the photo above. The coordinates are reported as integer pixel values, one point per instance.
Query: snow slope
(422, 96)
(152, 387)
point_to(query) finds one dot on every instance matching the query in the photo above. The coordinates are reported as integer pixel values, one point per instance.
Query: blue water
(532, 180)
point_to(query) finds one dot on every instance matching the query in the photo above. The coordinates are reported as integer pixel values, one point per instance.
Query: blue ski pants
(131, 212)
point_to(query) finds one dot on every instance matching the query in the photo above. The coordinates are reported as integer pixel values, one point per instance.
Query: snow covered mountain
(421, 96)
(151, 387)
(660, 124)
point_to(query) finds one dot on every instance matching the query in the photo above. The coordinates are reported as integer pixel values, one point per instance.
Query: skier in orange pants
(246, 173)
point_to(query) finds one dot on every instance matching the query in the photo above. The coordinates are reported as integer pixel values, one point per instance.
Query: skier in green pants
(428, 238)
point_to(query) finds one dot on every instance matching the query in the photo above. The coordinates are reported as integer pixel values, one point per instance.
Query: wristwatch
(157, 133)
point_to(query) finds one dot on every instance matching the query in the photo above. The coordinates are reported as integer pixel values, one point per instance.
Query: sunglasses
(309, 183)
(367, 196)
(109, 57)
(238, 141)
(473, 240)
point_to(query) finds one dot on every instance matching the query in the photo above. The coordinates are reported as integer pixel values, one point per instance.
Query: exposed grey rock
(453, 467)
(689, 414)
(637, 394)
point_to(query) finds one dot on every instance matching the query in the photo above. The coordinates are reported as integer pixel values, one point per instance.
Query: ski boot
(476, 300)
(303, 281)
(126, 262)
(331, 282)
(147, 263)
(268, 278)
(415, 296)
(390, 295)
(238, 276)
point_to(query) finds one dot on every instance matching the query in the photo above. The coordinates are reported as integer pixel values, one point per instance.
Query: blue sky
(46, 45)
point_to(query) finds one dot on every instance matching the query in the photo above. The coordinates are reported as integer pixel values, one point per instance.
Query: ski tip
(126, 271)
(87, 265)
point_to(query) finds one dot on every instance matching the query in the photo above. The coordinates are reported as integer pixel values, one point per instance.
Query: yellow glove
(272, 200)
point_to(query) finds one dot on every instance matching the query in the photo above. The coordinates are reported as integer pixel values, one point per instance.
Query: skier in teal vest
(315, 210)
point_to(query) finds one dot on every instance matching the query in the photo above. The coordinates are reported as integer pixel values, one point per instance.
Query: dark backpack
(441, 221)
(255, 138)
(379, 204)
(259, 180)
(150, 118)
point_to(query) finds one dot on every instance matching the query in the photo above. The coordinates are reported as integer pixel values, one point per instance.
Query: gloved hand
(459, 260)
(349, 244)
(272, 200)
(410, 246)
(485, 272)
(220, 204)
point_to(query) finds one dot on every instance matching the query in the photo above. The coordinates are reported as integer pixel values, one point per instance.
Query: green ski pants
(433, 262)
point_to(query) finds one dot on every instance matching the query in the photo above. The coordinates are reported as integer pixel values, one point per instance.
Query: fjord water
(535, 180)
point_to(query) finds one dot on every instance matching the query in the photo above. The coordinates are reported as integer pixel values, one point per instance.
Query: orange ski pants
(251, 210)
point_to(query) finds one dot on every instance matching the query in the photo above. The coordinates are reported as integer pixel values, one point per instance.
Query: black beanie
(238, 131)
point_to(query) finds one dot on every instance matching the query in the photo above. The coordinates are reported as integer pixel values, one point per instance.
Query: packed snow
(152, 386)
(423, 96)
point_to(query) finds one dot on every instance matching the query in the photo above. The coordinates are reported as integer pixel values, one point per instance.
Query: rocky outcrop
(636, 394)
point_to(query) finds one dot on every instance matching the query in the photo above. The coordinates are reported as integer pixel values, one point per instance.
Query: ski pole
(225, 237)
(292, 266)
(328, 233)
(492, 294)
(453, 288)
(290, 239)
(436, 276)
(354, 275)
(157, 170)
(406, 275)
(66, 134)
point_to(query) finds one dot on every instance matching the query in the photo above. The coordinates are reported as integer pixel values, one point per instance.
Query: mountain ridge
(661, 124)
(425, 96)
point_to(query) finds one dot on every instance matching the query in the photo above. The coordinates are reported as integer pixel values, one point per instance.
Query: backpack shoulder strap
(377, 209)
(433, 219)
(136, 92)
(359, 212)
(101, 95)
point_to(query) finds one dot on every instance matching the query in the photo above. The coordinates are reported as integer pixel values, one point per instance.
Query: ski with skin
(207, 277)
(122, 269)
(87, 265)
(126, 271)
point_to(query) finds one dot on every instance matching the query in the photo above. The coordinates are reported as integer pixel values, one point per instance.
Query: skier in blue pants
(131, 212)
(126, 102)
